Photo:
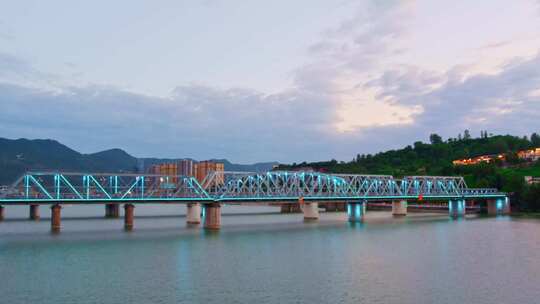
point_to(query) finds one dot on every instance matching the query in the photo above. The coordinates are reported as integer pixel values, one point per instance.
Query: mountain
(257, 167)
(113, 160)
(20, 155)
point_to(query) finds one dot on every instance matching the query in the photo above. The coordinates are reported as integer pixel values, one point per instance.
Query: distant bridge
(56, 188)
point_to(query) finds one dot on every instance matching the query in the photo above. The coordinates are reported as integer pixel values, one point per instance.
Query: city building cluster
(187, 167)
(479, 159)
(527, 155)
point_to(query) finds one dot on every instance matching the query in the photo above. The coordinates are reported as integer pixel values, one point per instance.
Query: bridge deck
(233, 187)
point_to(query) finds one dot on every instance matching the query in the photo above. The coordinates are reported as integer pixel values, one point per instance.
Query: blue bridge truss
(59, 187)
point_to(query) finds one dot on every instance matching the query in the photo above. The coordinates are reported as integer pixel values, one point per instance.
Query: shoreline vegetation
(437, 156)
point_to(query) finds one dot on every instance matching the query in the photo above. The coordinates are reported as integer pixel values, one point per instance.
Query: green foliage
(436, 159)
(435, 139)
(531, 198)
(535, 140)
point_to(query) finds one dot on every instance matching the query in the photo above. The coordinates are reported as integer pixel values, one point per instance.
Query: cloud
(349, 54)
(15, 70)
(502, 102)
(246, 125)
(10, 65)
(496, 45)
(194, 121)
(5, 32)
(351, 97)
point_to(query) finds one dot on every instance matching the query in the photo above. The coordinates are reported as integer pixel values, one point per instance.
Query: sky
(251, 81)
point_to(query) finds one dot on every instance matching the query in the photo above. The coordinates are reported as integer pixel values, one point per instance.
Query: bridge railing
(480, 191)
(55, 186)
(284, 184)
(433, 185)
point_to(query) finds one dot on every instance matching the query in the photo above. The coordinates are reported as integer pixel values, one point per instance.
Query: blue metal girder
(234, 186)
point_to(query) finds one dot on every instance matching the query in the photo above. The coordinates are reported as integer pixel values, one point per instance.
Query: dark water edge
(272, 258)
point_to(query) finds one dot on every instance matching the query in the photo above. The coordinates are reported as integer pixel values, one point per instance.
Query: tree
(535, 140)
(435, 139)
(466, 135)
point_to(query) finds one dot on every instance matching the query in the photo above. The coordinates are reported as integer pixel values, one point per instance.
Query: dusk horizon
(357, 77)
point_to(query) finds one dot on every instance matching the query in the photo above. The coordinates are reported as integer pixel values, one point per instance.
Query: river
(261, 256)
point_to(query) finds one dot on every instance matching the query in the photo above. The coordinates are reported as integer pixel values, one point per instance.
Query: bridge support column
(112, 210)
(356, 211)
(330, 207)
(193, 214)
(499, 206)
(56, 218)
(34, 212)
(129, 210)
(311, 211)
(399, 207)
(456, 208)
(212, 216)
(290, 208)
(2, 213)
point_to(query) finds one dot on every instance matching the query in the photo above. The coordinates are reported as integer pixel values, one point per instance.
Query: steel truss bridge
(231, 187)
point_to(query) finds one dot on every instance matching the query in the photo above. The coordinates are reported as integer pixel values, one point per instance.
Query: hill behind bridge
(436, 157)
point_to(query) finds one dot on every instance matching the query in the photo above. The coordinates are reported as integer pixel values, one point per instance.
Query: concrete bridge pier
(193, 214)
(56, 221)
(330, 207)
(129, 210)
(290, 208)
(112, 210)
(399, 208)
(341, 207)
(356, 211)
(456, 208)
(285, 208)
(212, 216)
(499, 206)
(2, 213)
(34, 212)
(311, 211)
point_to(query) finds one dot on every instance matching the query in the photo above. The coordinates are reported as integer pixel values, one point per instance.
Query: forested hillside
(436, 156)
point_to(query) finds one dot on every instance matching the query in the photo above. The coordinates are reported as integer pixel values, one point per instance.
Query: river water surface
(268, 258)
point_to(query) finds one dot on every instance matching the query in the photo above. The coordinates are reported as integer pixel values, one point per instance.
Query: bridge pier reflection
(456, 208)
(399, 208)
(499, 206)
(2, 213)
(212, 216)
(356, 211)
(193, 214)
